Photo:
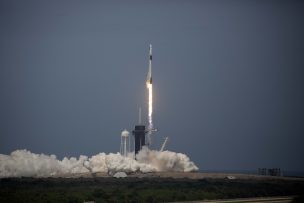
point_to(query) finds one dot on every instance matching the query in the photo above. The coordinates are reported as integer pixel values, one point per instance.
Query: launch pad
(140, 131)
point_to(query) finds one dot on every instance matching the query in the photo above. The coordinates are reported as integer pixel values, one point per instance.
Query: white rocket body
(149, 75)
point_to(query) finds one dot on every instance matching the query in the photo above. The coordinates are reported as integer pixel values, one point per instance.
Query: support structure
(140, 137)
(164, 144)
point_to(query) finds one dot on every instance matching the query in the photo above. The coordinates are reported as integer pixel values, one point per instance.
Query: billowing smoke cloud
(24, 163)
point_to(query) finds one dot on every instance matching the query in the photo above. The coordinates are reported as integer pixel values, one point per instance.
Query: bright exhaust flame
(150, 111)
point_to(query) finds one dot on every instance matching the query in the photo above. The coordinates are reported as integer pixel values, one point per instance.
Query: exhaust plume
(150, 110)
(150, 99)
(23, 163)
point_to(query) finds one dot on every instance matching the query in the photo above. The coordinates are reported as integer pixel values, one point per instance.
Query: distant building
(274, 172)
(270, 171)
(262, 171)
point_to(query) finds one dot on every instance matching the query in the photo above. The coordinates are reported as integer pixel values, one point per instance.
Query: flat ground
(249, 200)
(151, 187)
(189, 175)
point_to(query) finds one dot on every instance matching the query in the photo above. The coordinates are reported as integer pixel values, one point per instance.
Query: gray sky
(228, 78)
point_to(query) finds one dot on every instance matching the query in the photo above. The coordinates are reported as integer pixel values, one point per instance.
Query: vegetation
(139, 190)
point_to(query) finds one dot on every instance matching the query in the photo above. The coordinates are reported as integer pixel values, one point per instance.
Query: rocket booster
(149, 75)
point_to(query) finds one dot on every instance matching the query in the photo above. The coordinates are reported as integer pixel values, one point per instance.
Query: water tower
(124, 143)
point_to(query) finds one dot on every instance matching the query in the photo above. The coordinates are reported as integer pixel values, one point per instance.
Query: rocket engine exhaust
(150, 98)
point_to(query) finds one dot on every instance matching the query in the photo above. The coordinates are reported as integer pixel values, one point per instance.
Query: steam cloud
(24, 163)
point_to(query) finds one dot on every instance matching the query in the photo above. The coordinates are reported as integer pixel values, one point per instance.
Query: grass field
(75, 190)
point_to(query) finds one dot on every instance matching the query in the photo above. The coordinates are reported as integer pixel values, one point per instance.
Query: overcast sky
(227, 75)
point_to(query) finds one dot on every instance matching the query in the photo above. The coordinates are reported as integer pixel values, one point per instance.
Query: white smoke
(24, 163)
(166, 160)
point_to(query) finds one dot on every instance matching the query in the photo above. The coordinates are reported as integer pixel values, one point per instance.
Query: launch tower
(140, 130)
(139, 135)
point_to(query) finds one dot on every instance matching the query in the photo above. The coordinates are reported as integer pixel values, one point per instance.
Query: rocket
(149, 75)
